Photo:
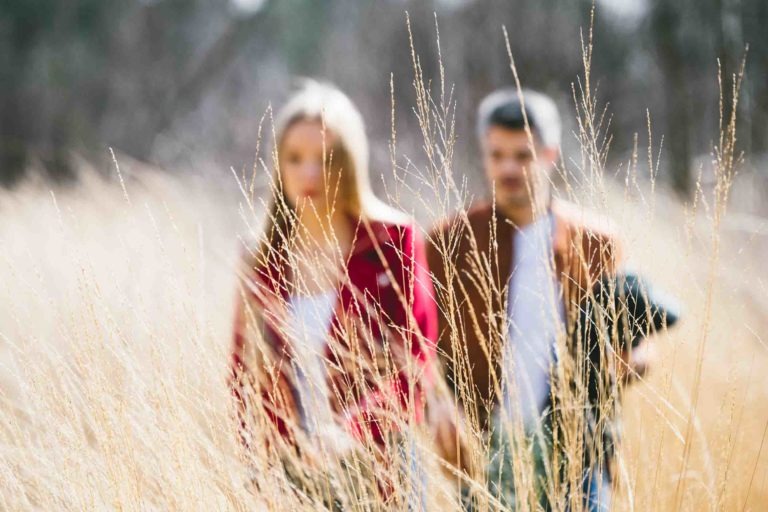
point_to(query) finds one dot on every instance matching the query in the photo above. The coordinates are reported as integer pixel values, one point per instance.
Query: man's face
(519, 175)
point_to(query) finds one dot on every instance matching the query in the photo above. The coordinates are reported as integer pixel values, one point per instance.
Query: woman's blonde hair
(325, 103)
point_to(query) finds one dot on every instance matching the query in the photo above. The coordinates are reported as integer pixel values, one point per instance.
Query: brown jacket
(471, 291)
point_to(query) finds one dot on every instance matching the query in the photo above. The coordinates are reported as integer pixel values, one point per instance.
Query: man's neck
(524, 215)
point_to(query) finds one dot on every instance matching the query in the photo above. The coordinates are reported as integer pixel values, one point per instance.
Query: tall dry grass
(115, 331)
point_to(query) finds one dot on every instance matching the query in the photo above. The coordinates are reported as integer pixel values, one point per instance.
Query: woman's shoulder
(389, 228)
(381, 213)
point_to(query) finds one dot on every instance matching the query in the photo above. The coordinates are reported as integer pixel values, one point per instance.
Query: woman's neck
(321, 244)
(319, 231)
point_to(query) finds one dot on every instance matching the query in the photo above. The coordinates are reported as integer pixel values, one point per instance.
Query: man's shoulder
(589, 229)
(477, 216)
(391, 239)
(586, 221)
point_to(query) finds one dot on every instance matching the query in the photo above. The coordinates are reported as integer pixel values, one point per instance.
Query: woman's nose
(312, 171)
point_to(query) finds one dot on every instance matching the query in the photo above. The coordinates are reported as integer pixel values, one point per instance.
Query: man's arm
(606, 255)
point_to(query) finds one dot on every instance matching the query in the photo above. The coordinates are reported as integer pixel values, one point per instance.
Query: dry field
(723, 342)
(115, 324)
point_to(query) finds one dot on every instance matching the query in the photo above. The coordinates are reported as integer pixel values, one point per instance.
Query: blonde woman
(336, 325)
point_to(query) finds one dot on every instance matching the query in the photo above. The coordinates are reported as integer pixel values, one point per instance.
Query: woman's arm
(239, 369)
(412, 317)
(255, 388)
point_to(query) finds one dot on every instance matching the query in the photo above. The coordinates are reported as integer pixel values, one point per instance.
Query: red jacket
(385, 315)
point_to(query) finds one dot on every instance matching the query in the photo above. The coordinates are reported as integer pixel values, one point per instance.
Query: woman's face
(307, 166)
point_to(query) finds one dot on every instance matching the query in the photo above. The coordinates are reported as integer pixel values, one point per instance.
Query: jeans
(413, 467)
(595, 489)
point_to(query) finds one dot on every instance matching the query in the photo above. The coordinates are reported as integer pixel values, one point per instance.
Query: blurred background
(116, 296)
(183, 83)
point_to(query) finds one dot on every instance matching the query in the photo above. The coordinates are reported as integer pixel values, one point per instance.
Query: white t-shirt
(535, 316)
(312, 316)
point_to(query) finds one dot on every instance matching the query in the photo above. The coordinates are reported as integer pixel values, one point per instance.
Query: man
(513, 276)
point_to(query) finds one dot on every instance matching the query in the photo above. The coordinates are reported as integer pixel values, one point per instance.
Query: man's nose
(511, 166)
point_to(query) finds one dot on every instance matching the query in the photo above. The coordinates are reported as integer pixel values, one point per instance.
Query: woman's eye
(292, 158)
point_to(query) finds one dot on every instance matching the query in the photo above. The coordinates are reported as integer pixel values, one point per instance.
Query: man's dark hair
(510, 108)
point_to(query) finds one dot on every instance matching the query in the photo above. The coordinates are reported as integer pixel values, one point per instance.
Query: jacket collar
(562, 213)
(367, 234)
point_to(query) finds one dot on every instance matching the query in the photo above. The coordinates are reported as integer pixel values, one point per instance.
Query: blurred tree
(49, 52)
(672, 52)
(176, 80)
(752, 22)
(689, 37)
(91, 73)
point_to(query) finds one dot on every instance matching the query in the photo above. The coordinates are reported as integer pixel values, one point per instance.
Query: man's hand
(445, 421)
(636, 361)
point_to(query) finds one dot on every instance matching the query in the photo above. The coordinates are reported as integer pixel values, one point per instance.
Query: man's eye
(524, 156)
(292, 158)
(496, 155)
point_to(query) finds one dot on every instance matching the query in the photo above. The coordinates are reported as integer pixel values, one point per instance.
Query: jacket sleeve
(239, 371)
(412, 317)
(437, 267)
(248, 383)
(604, 253)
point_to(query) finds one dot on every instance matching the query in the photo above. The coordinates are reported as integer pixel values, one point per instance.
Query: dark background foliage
(183, 83)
